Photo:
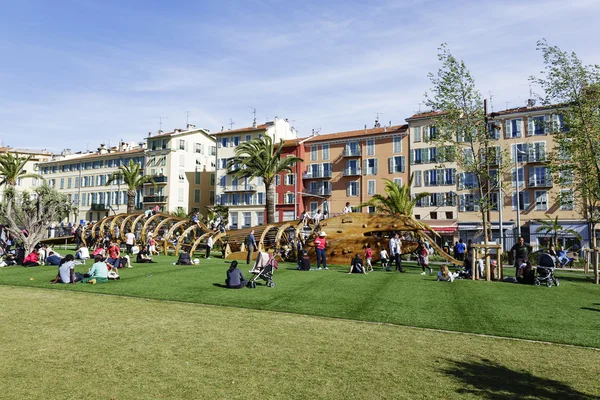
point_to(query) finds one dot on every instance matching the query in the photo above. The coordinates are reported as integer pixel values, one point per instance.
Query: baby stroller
(545, 271)
(264, 267)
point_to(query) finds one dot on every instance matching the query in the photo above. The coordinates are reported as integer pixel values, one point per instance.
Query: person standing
(396, 251)
(250, 243)
(347, 209)
(77, 235)
(368, 258)
(522, 251)
(460, 250)
(129, 241)
(320, 246)
(209, 246)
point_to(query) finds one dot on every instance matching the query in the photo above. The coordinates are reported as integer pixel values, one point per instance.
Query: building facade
(350, 167)
(288, 185)
(246, 199)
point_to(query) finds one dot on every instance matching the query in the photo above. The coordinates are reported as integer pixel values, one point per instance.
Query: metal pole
(517, 191)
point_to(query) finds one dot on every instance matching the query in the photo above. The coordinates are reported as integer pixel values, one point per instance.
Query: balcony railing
(98, 207)
(352, 171)
(316, 174)
(536, 183)
(350, 152)
(155, 199)
(317, 192)
(240, 188)
(160, 179)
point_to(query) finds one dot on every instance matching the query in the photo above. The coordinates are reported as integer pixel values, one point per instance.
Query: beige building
(183, 164)
(350, 167)
(37, 156)
(245, 199)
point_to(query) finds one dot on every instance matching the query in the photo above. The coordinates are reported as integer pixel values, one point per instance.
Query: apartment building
(350, 166)
(246, 199)
(288, 185)
(83, 176)
(37, 156)
(182, 163)
(433, 174)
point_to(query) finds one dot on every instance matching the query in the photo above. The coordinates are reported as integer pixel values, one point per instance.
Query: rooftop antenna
(377, 124)
(253, 113)
(160, 122)
(187, 118)
(491, 97)
(419, 104)
(231, 122)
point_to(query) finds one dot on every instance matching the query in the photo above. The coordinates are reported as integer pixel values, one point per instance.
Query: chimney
(149, 134)
(191, 127)
(530, 103)
(390, 124)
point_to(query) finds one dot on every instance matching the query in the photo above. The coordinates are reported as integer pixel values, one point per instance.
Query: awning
(476, 227)
(442, 226)
(444, 230)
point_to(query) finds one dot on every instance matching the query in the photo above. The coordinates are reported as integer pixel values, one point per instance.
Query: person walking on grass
(396, 251)
(423, 258)
(368, 258)
(129, 241)
(209, 246)
(320, 246)
(460, 250)
(250, 243)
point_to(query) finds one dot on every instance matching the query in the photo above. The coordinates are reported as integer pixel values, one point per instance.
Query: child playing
(368, 257)
(445, 274)
(385, 259)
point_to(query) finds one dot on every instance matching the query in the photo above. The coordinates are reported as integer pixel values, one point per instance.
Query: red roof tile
(359, 133)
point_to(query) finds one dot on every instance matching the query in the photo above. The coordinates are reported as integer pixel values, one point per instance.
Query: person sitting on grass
(98, 272)
(114, 254)
(53, 259)
(356, 266)
(143, 256)
(32, 259)
(83, 253)
(445, 274)
(235, 277)
(525, 273)
(66, 271)
(99, 251)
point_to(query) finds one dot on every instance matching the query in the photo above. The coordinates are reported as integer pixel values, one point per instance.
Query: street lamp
(517, 152)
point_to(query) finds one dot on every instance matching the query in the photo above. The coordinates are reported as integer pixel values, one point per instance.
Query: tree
(463, 132)
(33, 211)
(12, 168)
(397, 199)
(553, 227)
(575, 89)
(133, 177)
(261, 158)
(179, 212)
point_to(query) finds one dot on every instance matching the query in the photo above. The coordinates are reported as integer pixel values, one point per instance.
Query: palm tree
(552, 227)
(261, 158)
(12, 168)
(397, 200)
(132, 176)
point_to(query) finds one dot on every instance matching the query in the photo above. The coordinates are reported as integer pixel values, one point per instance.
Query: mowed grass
(567, 314)
(68, 345)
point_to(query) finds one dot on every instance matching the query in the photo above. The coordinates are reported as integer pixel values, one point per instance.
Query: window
(415, 156)
(260, 217)
(520, 179)
(314, 150)
(370, 147)
(541, 200)
(433, 215)
(468, 180)
(224, 142)
(397, 144)
(197, 178)
(181, 175)
(417, 179)
(398, 181)
(325, 152)
(198, 148)
(352, 149)
(247, 219)
(235, 141)
(326, 170)
(567, 200)
(558, 123)
(352, 168)
(196, 196)
(468, 156)
(469, 202)
(520, 151)
(540, 177)
(371, 187)
(565, 178)
(433, 177)
(313, 207)
(370, 166)
(290, 179)
(397, 164)
(524, 201)
(212, 197)
(248, 138)
(69, 183)
(181, 144)
(493, 130)
(353, 189)
(233, 217)
(449, 215)
(76, 182)
(62, 183)
(433, 133)
(213, 150)
(277, 180)
(513, 128)
(289, 198)
(536, 152)
(371, 209)
(538, 125)
(416, 131)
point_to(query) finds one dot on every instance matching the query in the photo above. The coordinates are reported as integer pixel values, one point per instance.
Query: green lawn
(68, 345)
(566, 314)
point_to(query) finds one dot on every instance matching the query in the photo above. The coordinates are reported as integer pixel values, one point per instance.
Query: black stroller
(264, 267)
(545, 271)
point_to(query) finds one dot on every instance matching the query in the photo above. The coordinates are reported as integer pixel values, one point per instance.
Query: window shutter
(425, 155)
(475, 204)
(402, 164)
(519, 128)
(412, 157)
(531, 176)
(531, 126)
(526, 201)
(461, 181)
(391, 163)
(376, 167)
(453, 178)
(507, 130)
(365, 166)
(530, 152)
(348, 189)
(426, 177)
(439, 177)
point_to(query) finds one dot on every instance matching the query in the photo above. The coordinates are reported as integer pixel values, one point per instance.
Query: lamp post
(517, 152)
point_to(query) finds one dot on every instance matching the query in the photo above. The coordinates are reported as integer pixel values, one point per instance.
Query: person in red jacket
(32, 259)
(114, 254)
(320, 246)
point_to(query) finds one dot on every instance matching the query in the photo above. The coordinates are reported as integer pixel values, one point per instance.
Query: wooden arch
(185, 232)
(170, 233)
(114, 223)
(162, 223)
(217, 236)
(149, 221)
(103, 222)
(124, 222)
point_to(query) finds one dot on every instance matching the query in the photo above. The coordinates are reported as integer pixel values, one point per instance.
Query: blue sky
(78, 73)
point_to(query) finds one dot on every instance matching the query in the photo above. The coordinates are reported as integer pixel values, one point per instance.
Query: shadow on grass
(590, 309)
(489, 380)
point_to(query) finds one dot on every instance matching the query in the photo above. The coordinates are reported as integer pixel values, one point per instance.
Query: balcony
(159, 180)
(98, 207)
(316, 174)
(540, 183)
(350, 152)
(352, 172)
(155, 199)
(317, 192)
(239, 188)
